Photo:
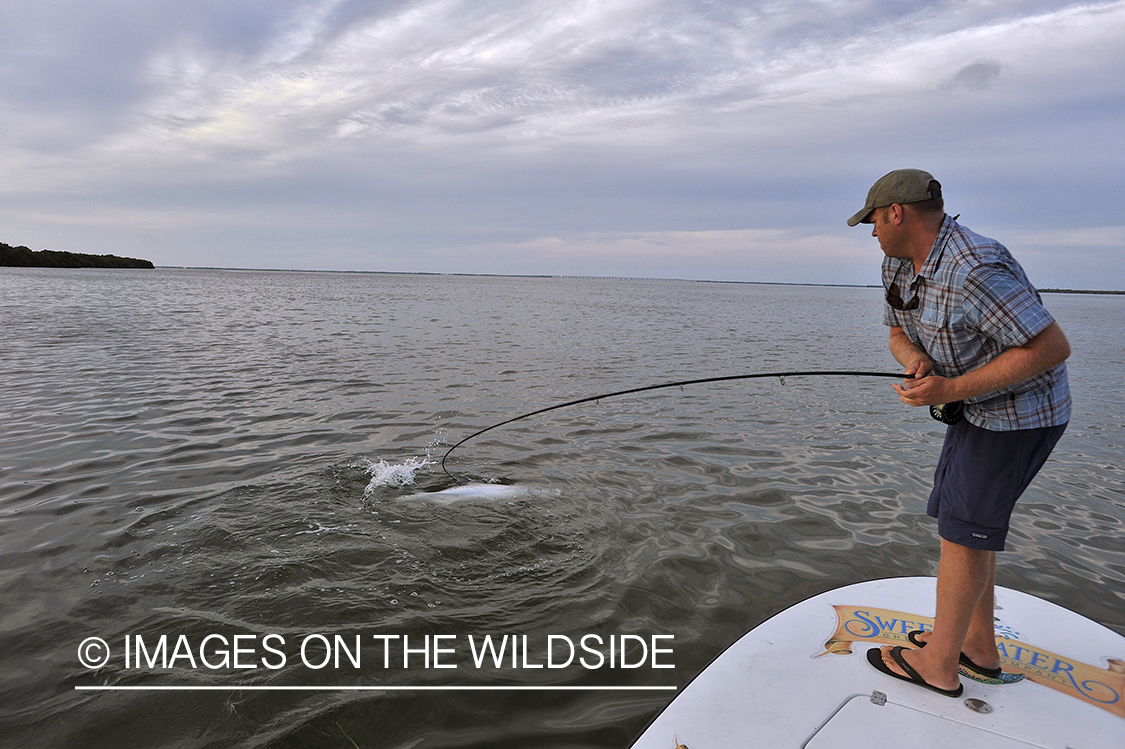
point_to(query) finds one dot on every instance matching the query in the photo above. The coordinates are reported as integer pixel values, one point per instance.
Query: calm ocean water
(205, 455)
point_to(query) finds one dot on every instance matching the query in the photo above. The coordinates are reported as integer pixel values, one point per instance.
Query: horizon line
(588, 277)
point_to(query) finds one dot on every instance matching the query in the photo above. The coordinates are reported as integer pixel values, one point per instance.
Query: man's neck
(924, 243)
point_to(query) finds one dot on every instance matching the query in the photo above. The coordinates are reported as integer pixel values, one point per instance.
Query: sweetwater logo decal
(1104, 687)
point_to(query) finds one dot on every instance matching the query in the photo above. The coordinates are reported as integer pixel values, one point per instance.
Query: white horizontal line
(363, 689)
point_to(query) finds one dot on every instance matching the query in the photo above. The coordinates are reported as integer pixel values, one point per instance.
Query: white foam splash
(384, 474)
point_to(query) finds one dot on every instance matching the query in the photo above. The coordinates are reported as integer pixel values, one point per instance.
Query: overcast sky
(698, 139)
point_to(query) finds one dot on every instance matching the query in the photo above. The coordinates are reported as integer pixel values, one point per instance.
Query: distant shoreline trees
(23, 257)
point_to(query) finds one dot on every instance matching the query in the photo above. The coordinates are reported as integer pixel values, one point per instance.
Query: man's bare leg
(980, 641)
(965, 600)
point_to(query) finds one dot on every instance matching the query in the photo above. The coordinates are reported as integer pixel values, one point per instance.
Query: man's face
(884, 229)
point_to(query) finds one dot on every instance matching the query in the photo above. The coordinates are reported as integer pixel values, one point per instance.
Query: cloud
(401, 128)
(439, 72)
(979, 75)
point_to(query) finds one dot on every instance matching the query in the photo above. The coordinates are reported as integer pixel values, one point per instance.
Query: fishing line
(680, 384)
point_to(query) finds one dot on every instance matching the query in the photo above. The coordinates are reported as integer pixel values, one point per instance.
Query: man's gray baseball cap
(900, 186)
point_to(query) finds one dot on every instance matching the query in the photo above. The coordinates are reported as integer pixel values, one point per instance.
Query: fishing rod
(630, 391)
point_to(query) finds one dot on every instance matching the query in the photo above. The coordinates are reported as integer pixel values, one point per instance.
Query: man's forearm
(1012, 367)
(1015, 365)
(908, 353)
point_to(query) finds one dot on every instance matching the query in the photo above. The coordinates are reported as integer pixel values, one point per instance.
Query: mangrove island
(23, 257)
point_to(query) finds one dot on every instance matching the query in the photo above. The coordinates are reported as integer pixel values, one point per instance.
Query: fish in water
(478, 491)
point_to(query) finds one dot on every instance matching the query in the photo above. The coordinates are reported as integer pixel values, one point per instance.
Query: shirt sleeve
(1004, 307)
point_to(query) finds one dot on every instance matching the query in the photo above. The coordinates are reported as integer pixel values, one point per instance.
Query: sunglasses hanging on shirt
(894, 298)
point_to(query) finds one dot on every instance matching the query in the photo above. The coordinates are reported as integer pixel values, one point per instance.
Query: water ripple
(196, 452)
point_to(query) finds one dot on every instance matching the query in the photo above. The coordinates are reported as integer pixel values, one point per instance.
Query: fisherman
(977, 345)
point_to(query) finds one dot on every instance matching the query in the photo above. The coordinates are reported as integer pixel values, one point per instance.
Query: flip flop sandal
(875, 658)
(979, 673)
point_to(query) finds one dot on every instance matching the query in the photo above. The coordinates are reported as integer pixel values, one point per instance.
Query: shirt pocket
(931, 325)
(947, 338)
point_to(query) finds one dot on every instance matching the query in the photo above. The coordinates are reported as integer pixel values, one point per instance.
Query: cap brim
(861, 217)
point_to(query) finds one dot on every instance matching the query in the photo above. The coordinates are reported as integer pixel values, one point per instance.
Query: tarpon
(479, 492)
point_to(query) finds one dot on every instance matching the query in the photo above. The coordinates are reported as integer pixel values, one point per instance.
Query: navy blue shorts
(979, 477)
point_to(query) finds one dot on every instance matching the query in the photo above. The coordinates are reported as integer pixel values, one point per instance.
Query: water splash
(393, 475)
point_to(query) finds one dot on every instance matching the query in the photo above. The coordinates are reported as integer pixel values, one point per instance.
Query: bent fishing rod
(681, 383)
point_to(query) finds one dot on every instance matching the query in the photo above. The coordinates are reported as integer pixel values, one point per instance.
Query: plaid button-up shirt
(974, 303)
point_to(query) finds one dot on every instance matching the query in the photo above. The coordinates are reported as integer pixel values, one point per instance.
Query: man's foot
(904, 671)
(988, 673)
